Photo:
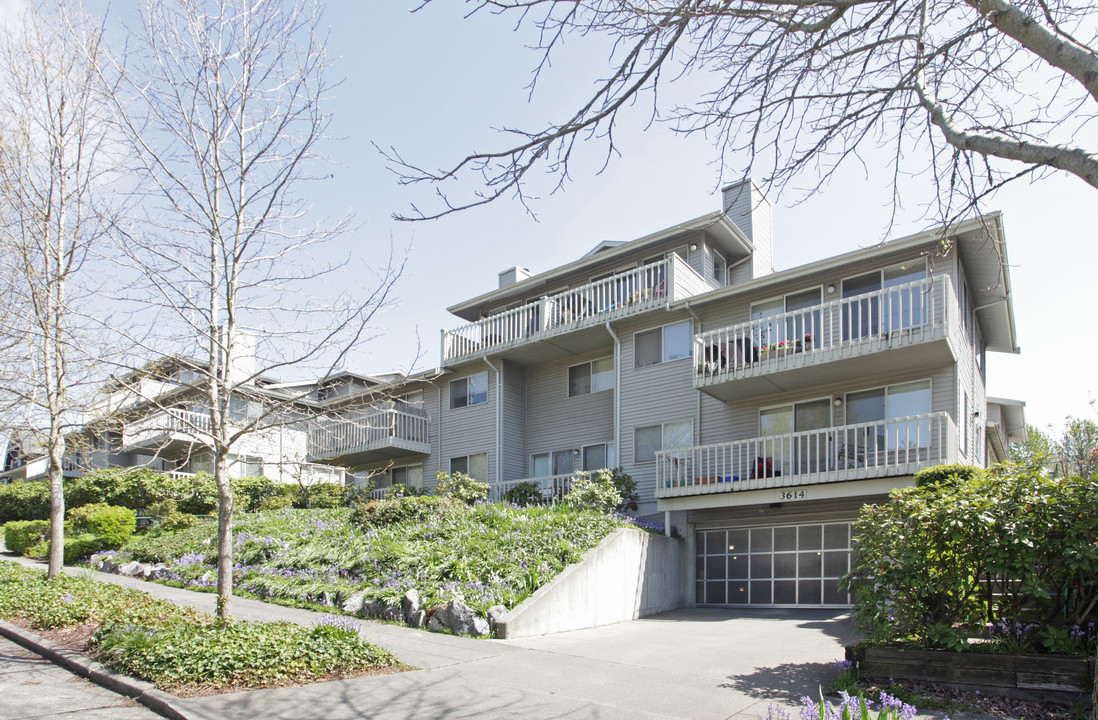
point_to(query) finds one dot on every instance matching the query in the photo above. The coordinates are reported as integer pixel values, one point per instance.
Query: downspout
(617, 395)
(438, 458)
(499, 421)
(697, 331)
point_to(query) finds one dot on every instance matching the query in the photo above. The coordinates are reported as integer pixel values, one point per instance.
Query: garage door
(776, 566)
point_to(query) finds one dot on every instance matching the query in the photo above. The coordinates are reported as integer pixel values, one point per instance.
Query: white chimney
(747, 206)
(510, 276)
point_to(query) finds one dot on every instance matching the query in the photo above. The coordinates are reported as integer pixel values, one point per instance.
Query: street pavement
(33, 687)
(689, 663)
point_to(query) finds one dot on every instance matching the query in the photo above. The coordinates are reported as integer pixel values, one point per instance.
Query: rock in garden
(410, 604)
(131, 569)
(354, 603)
(494, 614)
(417, 619)
(326, 599)
(393, 613)
(374, 608)
(464, 621)
(107, 564)
(435, 624)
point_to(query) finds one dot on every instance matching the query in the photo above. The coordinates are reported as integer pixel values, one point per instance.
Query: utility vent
(512, 275)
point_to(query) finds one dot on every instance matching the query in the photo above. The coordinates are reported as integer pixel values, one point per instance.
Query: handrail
(553, 488)
(623, 292)
(847, 321)
(815, 456)
(370, 429)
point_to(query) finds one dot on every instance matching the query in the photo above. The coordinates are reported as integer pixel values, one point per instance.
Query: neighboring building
(757, 410)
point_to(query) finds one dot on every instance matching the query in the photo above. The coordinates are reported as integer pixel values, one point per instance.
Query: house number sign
(793, 495)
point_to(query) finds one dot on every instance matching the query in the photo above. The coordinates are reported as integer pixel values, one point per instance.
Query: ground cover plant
(482, 555)
(183, 648)
(1000, 561)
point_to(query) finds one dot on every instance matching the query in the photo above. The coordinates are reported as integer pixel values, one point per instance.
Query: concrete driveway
(682, 664)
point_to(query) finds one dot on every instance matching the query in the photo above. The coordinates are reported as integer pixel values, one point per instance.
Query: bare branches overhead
(971, 92)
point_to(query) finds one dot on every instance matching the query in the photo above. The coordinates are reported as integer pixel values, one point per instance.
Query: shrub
(158, 547)
(402, 490)
(524, 494)
(196, 495)
(133, 488)
(400, 510)
(24, 501)
(938, 563)
(946, 474)
(276, 502)
(595, 493)
(22, 534)
(320, 495)
(76, 548)
(250, 492)
(461, 487)
(113, 526)
(626, 487)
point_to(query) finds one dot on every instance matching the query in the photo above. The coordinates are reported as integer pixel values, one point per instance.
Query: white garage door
(778, 566)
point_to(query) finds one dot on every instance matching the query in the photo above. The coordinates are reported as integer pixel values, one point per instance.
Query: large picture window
(647, 441)
(663, 344)
(894, 402)
(591, 377)
(472, 390)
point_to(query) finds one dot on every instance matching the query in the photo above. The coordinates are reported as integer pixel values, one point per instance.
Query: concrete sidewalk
(683, 664)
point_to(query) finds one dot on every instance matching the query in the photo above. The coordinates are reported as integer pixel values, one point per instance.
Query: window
(597, 457)
(661, 345)
(246, 465)
(411, 476)
(591, 377)
(475, 466)
(472, 390)
(894, 402)
(647, 441)
(902, 308)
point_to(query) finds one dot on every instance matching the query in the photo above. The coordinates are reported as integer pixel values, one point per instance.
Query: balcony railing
(849, 452)
(553, 488)
(167, 425)
(887, 318)
(373, 429)
(625, 293)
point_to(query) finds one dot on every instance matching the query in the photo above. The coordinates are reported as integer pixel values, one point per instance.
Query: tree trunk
(57, 506)
(224, 537)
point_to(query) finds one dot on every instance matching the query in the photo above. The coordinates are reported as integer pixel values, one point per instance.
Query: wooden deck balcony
(576, 310)
(909, 327)
(887, 448)
(376, 434)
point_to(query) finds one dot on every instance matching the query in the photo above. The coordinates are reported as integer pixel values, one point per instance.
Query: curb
(143, 692)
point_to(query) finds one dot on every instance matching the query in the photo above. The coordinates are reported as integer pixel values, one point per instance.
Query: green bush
(77, 548)
(22, 534)
(196, 495)
(402, 490)
(158, 547)
(24, 501)
(595, 493)
(250, 492)
(113, 526)
(322, 495)
(461, 487)
(133, 488)
(276, 502)
(625, 485)
(167, 517)
(524, 494)
(946, 474)
(940, 563)
(399, 510)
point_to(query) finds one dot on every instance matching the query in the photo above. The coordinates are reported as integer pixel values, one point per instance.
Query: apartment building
(757, 410)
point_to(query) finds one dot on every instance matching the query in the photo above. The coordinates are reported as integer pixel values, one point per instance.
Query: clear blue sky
(433, 85)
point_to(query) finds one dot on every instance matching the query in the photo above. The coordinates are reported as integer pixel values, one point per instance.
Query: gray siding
(468, 430)
(514, 421)
(555, 421)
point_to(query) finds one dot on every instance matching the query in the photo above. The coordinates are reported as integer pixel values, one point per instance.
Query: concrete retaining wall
(630, 574)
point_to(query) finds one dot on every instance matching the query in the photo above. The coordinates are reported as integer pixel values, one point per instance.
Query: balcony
(579, 312)
(167, 431)
(911, 327)
(553, 488)
(850, 452)
(376, 434)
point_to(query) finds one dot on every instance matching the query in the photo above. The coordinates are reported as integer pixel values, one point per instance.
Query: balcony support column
(499, 418)
(617, 394)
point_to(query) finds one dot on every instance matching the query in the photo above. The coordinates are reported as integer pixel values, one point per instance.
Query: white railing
(848, 452)
(375, 428)
(552, 488)
(192, 424)
(379, 493)
(179, 474)
(885, 318)
(624, 293)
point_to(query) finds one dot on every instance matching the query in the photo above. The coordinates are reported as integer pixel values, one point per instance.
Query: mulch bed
(1008, 708)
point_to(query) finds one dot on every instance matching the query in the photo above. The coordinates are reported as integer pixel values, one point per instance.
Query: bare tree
(58, 170)
(224, 109)
(977, 91)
